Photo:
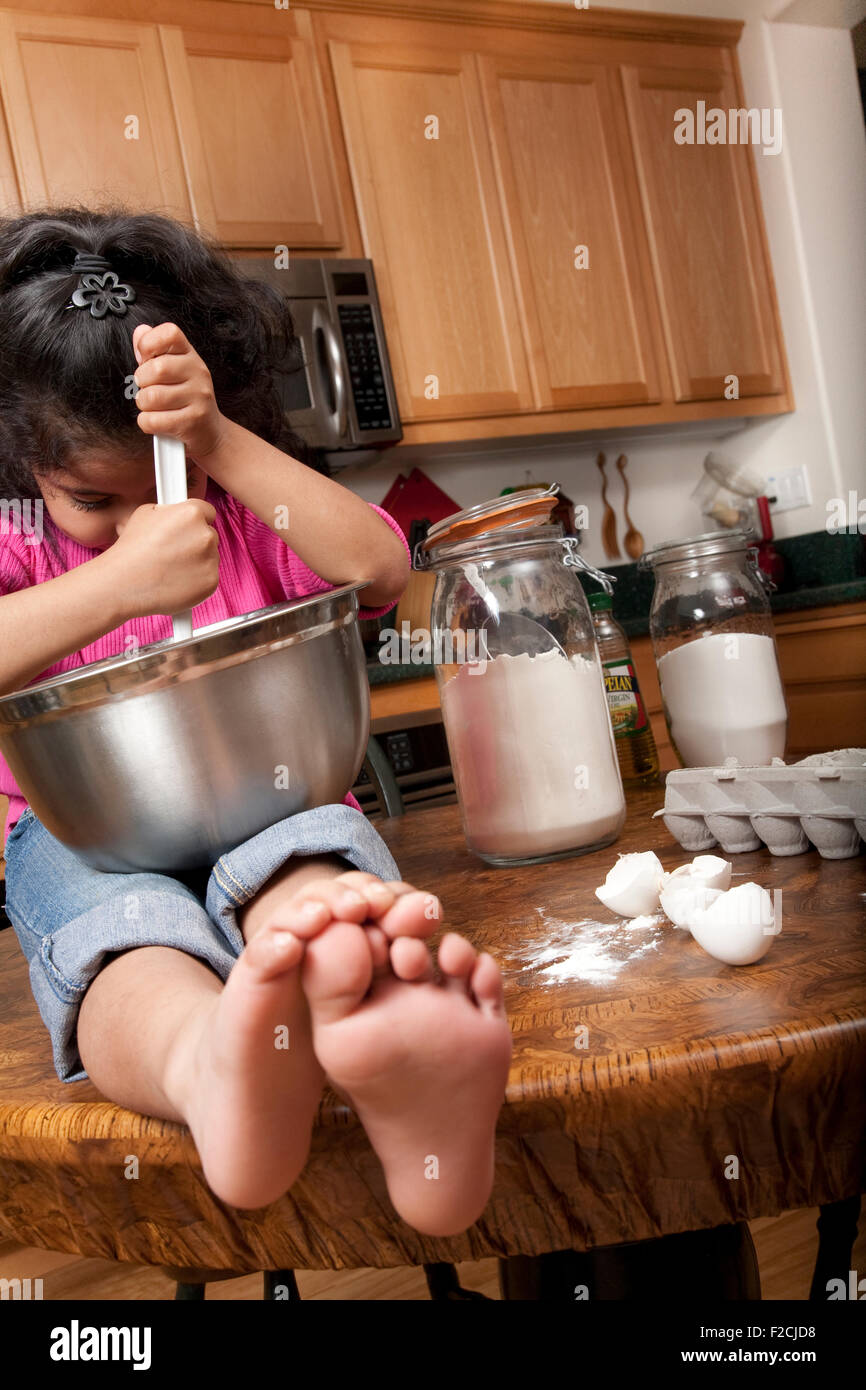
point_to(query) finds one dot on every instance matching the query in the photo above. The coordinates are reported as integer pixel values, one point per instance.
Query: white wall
(814, 199)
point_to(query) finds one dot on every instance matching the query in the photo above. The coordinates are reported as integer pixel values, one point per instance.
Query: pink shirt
(256, 569)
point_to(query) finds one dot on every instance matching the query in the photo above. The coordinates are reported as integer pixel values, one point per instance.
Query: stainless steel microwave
(342, 399)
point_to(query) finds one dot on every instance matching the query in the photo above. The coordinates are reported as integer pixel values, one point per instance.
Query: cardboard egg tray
(820, 801)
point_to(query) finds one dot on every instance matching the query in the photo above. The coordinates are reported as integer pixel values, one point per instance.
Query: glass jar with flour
(520, 681)
(715, 650)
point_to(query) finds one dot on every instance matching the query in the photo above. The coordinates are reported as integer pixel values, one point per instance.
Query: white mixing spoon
(169, 461)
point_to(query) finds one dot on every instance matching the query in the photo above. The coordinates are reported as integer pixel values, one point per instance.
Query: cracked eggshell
(632, 885)
(738, 926)
(682, 900)
(705, 871)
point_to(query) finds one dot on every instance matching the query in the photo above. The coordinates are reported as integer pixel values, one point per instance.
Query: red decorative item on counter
(769, 559)
(417, 498)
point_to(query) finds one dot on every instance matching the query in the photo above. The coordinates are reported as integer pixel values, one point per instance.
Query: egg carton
(820, 801)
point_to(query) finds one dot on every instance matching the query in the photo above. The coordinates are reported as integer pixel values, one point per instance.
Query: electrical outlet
(790, 489)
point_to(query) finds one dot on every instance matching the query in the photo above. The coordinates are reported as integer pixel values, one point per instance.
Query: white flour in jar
(724, 698)
(533, 754)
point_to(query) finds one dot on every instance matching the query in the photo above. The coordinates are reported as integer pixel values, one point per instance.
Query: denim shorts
(69, 917)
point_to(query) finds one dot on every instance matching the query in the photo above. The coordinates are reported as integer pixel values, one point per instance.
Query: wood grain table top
(652, 1088)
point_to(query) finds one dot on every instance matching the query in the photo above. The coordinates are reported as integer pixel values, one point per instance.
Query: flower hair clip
(100, 290)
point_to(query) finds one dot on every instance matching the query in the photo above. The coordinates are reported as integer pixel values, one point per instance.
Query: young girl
(114, 328)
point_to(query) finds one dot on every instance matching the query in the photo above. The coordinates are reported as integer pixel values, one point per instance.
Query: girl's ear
(136, 339)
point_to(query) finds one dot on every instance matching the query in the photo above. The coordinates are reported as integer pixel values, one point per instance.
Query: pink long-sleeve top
(256, 569)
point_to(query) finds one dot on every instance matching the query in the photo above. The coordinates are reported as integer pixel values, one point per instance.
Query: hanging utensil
(608, 523)
(633, 540)
(169, 462)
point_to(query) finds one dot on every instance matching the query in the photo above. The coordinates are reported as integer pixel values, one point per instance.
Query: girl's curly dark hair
(65, 376)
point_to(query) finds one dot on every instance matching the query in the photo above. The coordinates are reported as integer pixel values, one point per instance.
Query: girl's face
(95, 493)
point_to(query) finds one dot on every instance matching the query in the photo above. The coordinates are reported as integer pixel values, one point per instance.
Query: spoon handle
(621, 465)
(169, 462)
(608, 525)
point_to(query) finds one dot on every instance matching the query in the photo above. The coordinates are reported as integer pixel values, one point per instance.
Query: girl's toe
(410, 960)
(486, 985)
(456, 958)
(272, 952)
(378, 943)
(414, 913)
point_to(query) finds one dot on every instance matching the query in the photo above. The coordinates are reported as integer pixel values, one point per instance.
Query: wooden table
(690, 1069)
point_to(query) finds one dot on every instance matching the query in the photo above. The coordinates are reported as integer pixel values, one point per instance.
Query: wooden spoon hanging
(608, 521)
(633, 540)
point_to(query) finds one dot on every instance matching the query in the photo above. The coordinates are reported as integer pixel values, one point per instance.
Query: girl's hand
(175, 394)
(166, 558)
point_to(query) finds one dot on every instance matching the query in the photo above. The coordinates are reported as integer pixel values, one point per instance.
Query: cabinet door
(10, 193)
(707, 240)
(430, 219)
(560, 141)
(89, 114)
(252, 127)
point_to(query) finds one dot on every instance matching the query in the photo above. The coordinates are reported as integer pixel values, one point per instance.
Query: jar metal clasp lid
(769, 584)
(574, 558)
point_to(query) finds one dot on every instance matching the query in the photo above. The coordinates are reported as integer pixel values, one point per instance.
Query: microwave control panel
(365, 366)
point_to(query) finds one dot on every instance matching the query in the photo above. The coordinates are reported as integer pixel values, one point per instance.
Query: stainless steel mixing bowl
(167, 759)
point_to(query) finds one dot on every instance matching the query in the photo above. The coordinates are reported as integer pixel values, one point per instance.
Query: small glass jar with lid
(520, 682)
(715, 650)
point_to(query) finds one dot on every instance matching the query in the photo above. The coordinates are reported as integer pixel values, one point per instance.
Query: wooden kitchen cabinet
(561, 149)
(88, 113)
(10, 192)
(709, 254)
(252, 126)
(648, 681)
(231, 129)
(822, 656)
(576, 114)
(424, 186)
(308, 127)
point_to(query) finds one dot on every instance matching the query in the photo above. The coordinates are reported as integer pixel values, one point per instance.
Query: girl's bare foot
(243, 1072)
(424, 1063)
(247, 1077)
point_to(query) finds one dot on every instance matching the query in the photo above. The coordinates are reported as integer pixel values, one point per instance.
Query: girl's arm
(41, 625)
(165, 560)
(332, 530)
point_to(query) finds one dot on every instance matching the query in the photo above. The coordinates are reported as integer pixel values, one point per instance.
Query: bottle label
(627, 710)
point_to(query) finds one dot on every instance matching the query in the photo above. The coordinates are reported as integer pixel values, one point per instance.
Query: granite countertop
(821, 569)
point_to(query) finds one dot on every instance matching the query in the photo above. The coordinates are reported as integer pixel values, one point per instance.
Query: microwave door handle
(338, 376)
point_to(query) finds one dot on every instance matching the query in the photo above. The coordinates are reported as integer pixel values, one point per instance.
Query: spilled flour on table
(585, 949)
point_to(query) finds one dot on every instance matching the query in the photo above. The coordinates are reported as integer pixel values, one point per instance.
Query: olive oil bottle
(635, 745)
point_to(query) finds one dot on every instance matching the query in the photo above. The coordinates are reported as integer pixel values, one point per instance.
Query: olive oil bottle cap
(600, 603)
